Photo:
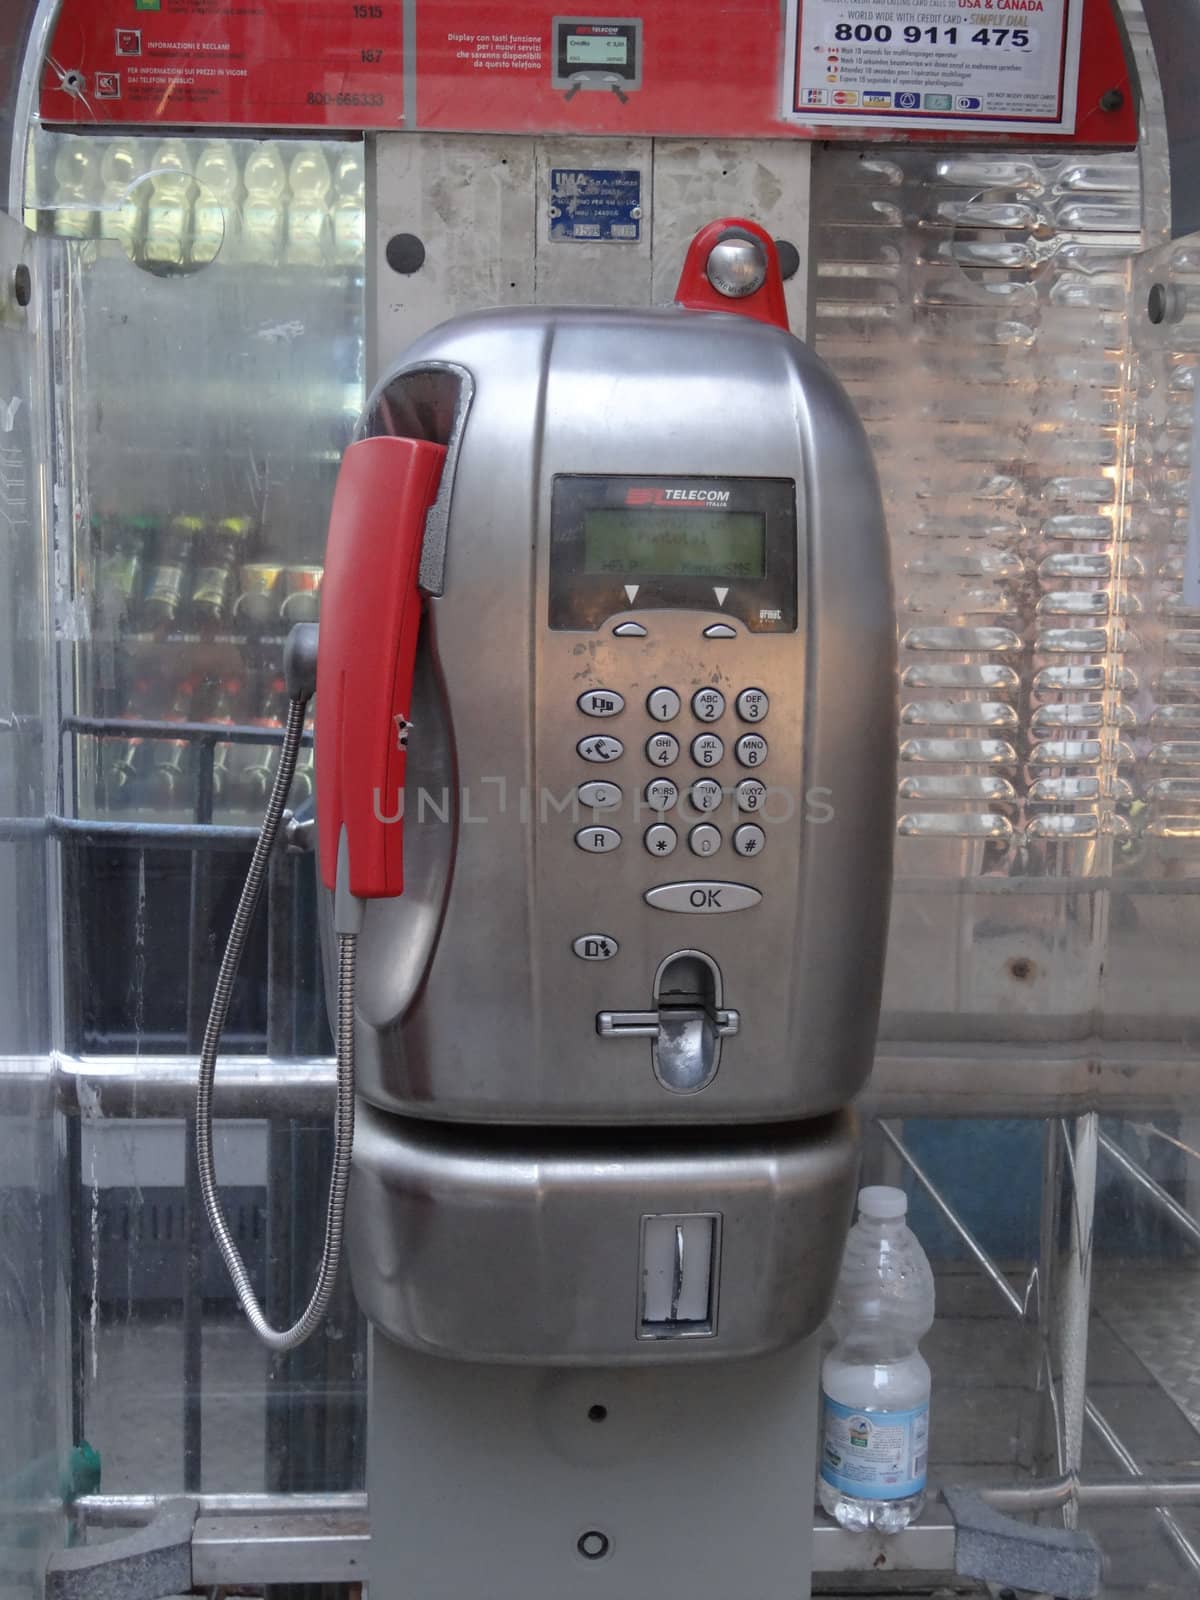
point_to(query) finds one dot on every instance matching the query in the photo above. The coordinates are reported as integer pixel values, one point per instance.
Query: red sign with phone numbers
(684, 68)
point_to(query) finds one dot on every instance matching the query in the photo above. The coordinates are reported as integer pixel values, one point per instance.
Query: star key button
(660, 839)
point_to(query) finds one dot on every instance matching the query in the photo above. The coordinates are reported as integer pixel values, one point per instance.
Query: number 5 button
(751, 750)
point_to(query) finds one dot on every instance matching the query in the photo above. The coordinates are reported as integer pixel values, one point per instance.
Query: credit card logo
(907, 100)
(968, 102)
(877, 99)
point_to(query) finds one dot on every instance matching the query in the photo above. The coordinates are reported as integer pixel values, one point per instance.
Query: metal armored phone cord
(310, 1318)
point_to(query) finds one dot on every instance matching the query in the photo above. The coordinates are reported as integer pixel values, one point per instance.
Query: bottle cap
(881, 1203)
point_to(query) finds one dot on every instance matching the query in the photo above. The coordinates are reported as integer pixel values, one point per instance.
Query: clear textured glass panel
(36, 1462)
(205, 315)
(208, 320)
(995, 391)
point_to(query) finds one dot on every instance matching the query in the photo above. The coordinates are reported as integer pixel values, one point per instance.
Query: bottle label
(874, 1455)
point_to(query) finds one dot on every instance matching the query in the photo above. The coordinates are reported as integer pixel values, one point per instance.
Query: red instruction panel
(272, 63)
(1044, 70)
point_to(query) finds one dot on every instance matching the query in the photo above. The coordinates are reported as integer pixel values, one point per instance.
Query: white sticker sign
(992, 65)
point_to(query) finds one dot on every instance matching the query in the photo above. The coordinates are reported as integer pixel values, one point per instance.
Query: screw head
(1112, 99)
(405, 253)
(593, 1545)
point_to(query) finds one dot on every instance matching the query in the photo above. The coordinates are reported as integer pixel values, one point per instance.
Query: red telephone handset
(370, 618)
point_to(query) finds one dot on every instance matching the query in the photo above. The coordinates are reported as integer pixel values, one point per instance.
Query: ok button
(703, 897)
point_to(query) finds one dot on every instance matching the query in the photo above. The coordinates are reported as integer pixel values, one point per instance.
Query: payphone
(605, 755)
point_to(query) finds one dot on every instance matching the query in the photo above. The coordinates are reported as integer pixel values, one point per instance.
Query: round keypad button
(749, 839)
(660, 794)
(750, 794)
(705, 794)
(708, 704)
(751, 750)
(704, 839)
(752, 705)
(707, 749)
(661, 839)
(663, 704)
(662, 749)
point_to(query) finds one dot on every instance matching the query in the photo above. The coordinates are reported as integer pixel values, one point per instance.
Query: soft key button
(600, 796)
(595, 947)
(704, 898)
(600, 748)
(601, 703)
(597, 841)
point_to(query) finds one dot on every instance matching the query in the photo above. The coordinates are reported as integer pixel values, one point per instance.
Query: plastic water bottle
(169, 214)
(215, 215)
(309, 180)
(265, 180)
(875, 1382)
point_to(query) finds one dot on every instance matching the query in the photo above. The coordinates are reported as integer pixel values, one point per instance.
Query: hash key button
(749, 839)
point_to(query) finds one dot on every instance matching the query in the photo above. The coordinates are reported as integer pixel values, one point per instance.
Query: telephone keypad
(661, 839)
(598, 841)
(600, 747)
(705, 794)
(600, 796)
(751, 750)
(752, 705)
(708, 705)
(660, 794)
(601, 703)
(663, 705)
(707, 749)
(750, 794)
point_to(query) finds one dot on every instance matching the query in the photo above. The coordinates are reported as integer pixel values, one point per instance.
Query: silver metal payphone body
(606, 1037)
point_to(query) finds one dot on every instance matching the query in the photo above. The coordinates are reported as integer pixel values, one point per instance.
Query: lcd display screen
(657, 543)
(596, 50)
